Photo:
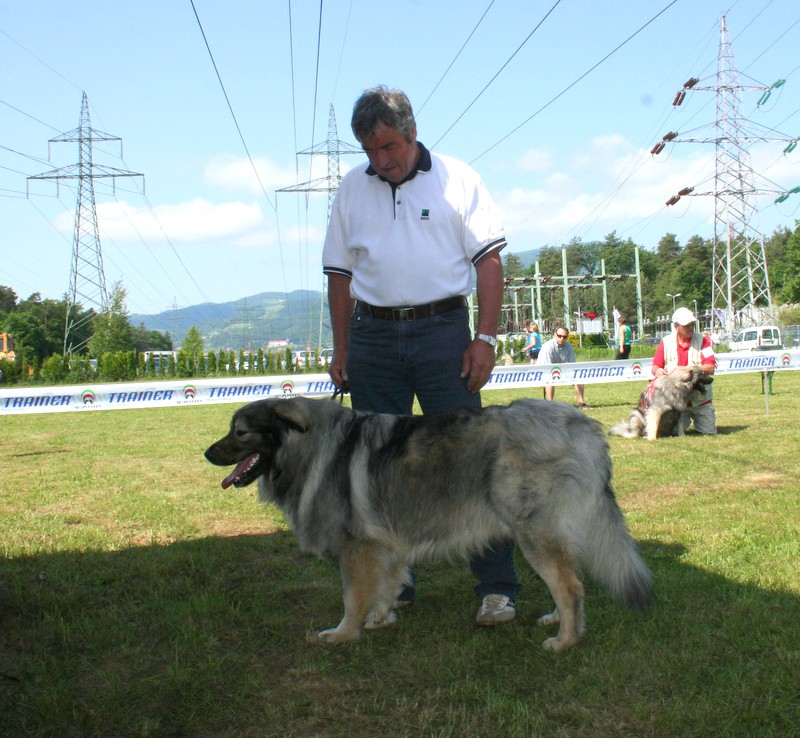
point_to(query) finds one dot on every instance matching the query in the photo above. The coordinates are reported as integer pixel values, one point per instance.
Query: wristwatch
(491, 340)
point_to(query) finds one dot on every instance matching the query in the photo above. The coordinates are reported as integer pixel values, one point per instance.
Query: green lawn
(137, 598)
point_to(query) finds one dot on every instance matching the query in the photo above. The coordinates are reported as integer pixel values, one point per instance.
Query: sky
(556, 103)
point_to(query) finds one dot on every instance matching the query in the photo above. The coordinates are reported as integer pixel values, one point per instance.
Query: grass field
(137, 598)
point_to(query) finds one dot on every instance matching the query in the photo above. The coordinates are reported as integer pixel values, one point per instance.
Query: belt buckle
(403, 314)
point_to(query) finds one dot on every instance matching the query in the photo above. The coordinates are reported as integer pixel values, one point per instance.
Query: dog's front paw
(557, 644)
(374, 620)
(552, 618)
(332, 636)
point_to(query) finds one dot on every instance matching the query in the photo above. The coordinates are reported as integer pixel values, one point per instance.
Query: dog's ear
(701, 377)
(294, 413)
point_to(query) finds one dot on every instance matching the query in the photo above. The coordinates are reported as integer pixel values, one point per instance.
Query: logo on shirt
(425, 214)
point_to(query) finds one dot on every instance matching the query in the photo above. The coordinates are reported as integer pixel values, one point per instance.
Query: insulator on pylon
(678, 98)
(658, 148)
(794, 190)
(782, 198)
(764, 97)
(690, 83)
(778, 84)
(791, 147)
(672, 200)
(670, 136)
(686, 191)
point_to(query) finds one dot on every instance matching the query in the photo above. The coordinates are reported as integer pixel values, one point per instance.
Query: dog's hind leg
(364, 572)
(382, 613)
(556, 566)
(682, 424)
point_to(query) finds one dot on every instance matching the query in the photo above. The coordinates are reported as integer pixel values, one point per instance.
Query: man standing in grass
(406, 232)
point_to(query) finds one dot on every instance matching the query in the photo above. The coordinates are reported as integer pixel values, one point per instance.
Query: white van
(757, 338)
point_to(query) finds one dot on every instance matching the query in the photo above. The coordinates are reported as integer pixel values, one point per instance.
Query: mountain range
(246, 324)
(253, 322)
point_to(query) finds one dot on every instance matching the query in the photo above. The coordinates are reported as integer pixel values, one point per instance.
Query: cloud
(193, 221)
(535, 160)
(609, 185)
(239, 174)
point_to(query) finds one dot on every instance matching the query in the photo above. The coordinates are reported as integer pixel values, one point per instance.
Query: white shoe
(495, 609)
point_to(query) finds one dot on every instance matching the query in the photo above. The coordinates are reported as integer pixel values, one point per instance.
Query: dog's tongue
(241, 468)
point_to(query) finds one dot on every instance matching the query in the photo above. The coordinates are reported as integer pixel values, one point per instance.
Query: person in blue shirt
(533, 344)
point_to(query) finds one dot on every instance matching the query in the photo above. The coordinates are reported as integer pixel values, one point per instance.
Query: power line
(497, 74)
(28, 115)
(455, 58)
(740, 290)
(230, 107)
(569, 87)
(87, 276)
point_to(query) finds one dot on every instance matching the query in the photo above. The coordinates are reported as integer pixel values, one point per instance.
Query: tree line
(670, 269)
(117, 347)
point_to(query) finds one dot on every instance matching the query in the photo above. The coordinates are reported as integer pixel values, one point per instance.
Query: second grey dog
(375, 493)
(663, 403)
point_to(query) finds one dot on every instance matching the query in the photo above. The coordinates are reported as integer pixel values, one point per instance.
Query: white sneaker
(495, 609)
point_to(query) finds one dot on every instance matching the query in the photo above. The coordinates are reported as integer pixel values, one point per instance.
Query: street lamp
(674, 297)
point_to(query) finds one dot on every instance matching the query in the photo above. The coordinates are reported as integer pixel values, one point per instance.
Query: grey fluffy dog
(375, 493)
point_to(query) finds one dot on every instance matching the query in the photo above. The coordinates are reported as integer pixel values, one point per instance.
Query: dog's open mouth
(246, 471)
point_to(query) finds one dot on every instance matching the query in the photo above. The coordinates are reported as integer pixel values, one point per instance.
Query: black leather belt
(412, 312)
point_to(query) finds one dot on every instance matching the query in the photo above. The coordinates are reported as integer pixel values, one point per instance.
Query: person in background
(533, 343)
(405, 233)
(558, 350)
(624, 334)
(687, 347)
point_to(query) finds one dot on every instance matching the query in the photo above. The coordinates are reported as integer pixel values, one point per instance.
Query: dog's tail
(622, 429)
(612, 556)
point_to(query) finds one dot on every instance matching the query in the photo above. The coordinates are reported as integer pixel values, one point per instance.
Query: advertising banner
(179, 393)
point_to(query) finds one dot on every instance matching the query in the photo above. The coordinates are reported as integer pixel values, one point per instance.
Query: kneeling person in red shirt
(686, 347)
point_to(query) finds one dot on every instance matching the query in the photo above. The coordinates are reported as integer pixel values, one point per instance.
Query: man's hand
(338, 368)
(477, 364)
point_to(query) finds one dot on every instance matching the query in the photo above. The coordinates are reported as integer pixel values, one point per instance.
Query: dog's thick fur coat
(375, 493)
(663, 403)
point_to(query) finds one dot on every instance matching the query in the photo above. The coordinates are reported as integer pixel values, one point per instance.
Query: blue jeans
(389, 363)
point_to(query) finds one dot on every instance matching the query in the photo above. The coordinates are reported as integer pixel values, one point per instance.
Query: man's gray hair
(381, 105)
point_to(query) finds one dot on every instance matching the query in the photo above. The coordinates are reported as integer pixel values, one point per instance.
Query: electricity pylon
(87, 281)
(740, 291)
(332, 148)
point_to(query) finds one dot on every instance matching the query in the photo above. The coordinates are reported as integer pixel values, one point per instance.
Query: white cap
(683, 316)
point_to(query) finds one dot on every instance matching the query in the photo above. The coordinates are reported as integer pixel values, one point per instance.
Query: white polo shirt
(552, 353)
(417, 244)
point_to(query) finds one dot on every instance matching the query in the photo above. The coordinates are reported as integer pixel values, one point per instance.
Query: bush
(9, 373)
(80, 370)
(118, 367)
(54, 369)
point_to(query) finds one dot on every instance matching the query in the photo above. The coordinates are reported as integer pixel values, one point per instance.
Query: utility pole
(538, 282)
(332, 148)
(740, 291)
(174, 318)
(245, 311)
(87, 282)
